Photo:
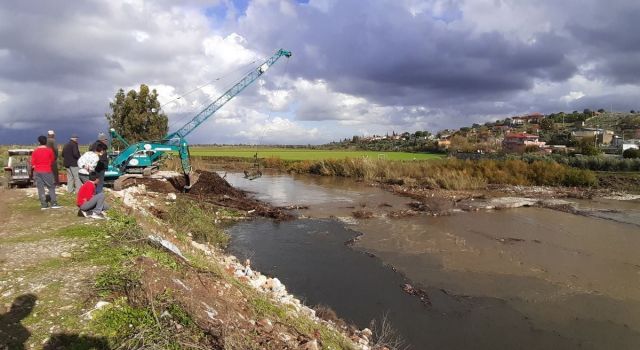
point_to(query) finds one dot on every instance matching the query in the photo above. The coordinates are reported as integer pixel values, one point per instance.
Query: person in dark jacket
(104, 160)
(71, 154)
(51, 143)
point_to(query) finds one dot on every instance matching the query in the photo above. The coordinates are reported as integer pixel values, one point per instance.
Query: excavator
(143, 157)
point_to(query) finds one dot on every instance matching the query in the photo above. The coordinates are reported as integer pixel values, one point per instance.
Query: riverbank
(140, 277)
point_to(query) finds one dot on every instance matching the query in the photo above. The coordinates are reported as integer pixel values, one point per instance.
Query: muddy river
(526, 278)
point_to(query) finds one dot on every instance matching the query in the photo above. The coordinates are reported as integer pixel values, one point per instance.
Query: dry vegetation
(452, 174)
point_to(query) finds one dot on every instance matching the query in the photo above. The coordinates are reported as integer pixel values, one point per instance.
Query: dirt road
(42, 288)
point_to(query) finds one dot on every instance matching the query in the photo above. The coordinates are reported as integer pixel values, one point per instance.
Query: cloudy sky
(358, 67)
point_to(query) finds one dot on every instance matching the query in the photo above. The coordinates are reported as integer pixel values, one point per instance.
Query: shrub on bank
(595, 163)
(631, 153)
(452, 174)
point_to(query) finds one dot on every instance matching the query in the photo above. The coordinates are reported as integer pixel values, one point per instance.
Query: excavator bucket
(190, 179)
(252, 174)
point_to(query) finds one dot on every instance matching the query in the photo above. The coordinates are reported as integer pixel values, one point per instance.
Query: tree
(631, 153)
(547, 124)
(137, 115)
(601, 110)
(588, 147)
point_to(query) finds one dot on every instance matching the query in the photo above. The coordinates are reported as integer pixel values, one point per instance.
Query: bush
(580, 178)
(631, 153)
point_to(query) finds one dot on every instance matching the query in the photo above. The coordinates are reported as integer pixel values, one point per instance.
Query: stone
(101, 304)
(274, 285)
(310, 345)
(65, 255)
(258, 281)
(171, 197)
(265, 324)
(367, 333)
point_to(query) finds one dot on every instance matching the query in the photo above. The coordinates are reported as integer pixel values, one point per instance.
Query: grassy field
(306, 154)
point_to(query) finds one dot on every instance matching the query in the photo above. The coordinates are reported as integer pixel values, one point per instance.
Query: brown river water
(526, 278)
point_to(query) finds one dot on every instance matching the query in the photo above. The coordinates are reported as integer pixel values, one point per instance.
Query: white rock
(258, 281)
(101, 304)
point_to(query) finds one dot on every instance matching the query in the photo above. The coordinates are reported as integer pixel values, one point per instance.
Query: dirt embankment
(235, 306)
(209, 187)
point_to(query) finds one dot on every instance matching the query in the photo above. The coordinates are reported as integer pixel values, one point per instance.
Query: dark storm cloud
(607, 33)
(61, 61)
(381, 50)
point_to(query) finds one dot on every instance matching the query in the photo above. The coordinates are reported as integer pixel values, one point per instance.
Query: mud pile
(210, 183)
(154, 185)
(212, 188)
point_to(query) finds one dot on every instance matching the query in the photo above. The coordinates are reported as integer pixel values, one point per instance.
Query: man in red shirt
(89, 200)
(41, 160)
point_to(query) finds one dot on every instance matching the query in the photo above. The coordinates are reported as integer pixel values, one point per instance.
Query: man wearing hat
(71, 154)
(104, 160)
(51, 143)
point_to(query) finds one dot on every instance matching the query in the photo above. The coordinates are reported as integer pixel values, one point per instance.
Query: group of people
(85, 173)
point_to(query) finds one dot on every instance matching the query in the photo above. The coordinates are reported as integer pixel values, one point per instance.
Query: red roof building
(518, 142)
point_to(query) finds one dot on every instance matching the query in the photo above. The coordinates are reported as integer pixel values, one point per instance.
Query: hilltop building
(533, 118)
(518, 142)
(603, 136)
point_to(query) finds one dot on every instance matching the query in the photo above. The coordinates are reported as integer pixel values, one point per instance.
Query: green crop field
(306, 154)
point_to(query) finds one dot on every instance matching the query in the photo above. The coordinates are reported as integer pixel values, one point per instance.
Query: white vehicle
(18, 171)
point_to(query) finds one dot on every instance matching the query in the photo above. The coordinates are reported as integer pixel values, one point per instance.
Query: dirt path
(43, 288)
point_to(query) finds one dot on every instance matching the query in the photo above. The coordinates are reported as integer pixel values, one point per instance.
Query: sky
(358, 67)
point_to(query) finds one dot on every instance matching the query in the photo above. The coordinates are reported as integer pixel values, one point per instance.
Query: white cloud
(278, 129)
(141, 36)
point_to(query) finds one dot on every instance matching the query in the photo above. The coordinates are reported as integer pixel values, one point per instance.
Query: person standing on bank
(51, 143)
(104, 159)
(71, 154)
(90, 162)
(42, 159)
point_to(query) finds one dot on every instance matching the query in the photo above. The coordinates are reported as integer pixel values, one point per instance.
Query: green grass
(306, 154)
(187, 216)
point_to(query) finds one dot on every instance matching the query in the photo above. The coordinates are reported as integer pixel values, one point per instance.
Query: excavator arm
(226, 97)
(142, 156)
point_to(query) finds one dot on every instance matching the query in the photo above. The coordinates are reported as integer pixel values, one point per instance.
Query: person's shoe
(82, 213)
(97, 216)
(55, 206)
(44, 208)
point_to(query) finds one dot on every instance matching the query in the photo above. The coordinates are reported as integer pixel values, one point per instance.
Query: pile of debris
(208, 187)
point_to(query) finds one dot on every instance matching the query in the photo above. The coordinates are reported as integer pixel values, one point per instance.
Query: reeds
(451, 174)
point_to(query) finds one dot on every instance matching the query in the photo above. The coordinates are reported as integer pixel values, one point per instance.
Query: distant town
(587, 133)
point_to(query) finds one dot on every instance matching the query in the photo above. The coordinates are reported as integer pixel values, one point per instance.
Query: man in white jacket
(90, 162)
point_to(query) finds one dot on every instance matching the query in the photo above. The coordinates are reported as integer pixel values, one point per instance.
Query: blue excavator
(142, 157)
